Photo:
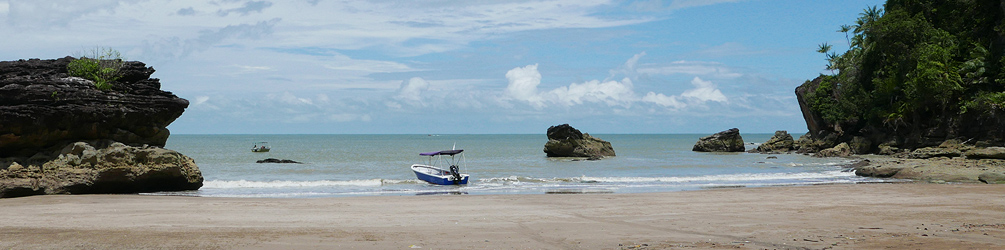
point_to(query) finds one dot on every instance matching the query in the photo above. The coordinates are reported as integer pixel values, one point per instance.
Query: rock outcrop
(725, 141)
(43, 108)
(566, 141)
(987, 153)
(841, 150)
(62, 135)
(781, 142)
(116, 168)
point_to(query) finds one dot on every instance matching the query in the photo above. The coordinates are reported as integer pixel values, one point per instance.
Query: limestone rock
(566, 141)
(841, 150)
(781, 142)
(932, 152)
(43, 108)
(987, 153)
(725, 141)
(117, 168)
(992, 178)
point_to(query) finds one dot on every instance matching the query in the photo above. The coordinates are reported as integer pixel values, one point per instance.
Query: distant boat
(433, 174)
(261, 147)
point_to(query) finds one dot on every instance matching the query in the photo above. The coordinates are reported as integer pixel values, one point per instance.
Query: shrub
(101, 65)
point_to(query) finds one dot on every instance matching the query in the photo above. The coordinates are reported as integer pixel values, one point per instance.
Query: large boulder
(43, 108)
(725, 141)
(566, 141)
(841, 150)
(80, 168)
(781, 142)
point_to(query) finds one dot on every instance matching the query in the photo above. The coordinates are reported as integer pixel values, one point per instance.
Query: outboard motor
(456, 172)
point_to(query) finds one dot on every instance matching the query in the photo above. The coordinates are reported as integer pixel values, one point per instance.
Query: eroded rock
(725, 141)
(566, 141)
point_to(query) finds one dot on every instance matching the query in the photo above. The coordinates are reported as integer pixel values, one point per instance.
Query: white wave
(289, 184)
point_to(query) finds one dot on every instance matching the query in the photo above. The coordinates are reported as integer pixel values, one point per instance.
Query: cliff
(61, 134)
(916, 74)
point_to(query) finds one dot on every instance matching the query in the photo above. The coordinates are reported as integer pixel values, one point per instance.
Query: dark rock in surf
(566, 141)
(781, 142)
(725, 141)
(274, 160)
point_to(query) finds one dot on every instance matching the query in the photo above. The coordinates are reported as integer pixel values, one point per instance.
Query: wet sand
(853, 216)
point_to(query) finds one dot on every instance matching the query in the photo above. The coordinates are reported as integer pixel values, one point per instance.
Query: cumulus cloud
(704, 91)
(523, 83)
(411, 90)
(612, 93)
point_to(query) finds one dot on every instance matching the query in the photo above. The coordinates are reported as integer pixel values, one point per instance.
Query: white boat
(437, 175)
(261, 147)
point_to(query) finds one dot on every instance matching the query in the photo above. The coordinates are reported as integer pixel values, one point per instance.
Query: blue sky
(443, 67)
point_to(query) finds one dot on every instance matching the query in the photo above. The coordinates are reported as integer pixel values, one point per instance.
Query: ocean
(371, 165)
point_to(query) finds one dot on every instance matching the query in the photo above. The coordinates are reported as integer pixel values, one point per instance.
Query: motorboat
(432, 173)
(261, 147)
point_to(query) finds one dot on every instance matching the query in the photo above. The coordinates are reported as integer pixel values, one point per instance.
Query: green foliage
(915, 59)
(101, 65)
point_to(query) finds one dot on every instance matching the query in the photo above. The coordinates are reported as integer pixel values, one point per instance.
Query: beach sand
(851, 216)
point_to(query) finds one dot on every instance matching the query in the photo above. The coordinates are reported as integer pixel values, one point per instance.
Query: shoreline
(839, 216)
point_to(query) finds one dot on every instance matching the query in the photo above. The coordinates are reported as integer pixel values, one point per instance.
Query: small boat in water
(436, 175)
(261, 147)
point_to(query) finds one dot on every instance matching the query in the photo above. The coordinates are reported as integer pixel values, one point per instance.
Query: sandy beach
(853, 216)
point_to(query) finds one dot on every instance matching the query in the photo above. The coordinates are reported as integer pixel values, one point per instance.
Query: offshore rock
(725, 141)
(566, 141)
(80, 168)
(43, 108)
(274, 160)
(781, 142)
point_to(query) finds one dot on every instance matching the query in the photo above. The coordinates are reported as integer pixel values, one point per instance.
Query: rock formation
(43, 108)
(60, 134)
(117, 168)
(781, 142)
(566, 141)
(725, 141)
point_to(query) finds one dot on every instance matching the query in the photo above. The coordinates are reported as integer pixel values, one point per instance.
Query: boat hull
(437, 176)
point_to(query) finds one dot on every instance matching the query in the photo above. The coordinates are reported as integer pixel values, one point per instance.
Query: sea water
(359, 165)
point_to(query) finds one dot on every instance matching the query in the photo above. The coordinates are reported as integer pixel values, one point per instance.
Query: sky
(455, 67)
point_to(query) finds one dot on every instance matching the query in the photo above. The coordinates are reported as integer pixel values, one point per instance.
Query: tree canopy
(916, 63)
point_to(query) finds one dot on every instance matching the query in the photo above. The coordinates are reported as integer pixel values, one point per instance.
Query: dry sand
(854, 216)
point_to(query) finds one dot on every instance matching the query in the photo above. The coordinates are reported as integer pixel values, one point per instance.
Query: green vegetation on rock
(101, 65)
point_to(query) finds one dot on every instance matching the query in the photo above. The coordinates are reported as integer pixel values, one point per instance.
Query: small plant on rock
(101, 65)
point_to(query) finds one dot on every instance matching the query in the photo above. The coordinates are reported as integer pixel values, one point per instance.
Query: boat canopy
(444, 152)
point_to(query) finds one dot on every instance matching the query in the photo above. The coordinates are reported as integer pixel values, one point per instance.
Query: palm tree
(824, 48)
(844, 29)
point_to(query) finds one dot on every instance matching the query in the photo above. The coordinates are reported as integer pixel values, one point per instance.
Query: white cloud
(704, 91)
(612, 93)
(412, 89)
(523, 85)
